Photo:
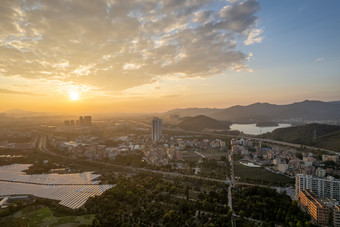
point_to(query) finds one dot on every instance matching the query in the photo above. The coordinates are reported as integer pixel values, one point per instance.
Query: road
(232, 183)
(255, 139)
(42, 145)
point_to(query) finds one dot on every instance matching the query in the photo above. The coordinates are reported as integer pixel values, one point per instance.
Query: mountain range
(20, 112)
(201, 122)
(259, 112)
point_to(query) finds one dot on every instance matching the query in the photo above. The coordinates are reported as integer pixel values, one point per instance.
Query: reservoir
(252, 129)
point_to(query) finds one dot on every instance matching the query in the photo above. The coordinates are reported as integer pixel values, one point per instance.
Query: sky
(77, 56)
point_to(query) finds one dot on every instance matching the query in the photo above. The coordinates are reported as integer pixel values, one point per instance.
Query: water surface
(252, 129)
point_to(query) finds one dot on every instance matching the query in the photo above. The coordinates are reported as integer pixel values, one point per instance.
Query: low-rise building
(282, 168)
(334, 158)
(320, 172)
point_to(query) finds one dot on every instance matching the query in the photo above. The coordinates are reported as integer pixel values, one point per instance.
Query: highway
(42, 145)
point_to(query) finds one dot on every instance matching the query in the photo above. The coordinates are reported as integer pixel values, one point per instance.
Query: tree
(168, 216)
(299, 154)
(186, 192)
(96, 223)
(241, 213)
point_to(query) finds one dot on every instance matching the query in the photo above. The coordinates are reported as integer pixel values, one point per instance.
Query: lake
(252, 129)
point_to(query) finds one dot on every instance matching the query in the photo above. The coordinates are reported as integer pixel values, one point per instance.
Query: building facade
(156, 129)
(323, 187)
(334, 158)
(336, 216)
(316, 207)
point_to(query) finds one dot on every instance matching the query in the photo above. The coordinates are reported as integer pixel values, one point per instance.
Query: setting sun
(74, 96)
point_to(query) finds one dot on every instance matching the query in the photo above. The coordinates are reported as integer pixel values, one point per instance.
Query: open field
(190, 155)
(43, 216)
(259, 174)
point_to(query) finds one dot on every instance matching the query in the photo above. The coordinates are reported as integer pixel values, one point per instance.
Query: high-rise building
(88, 120)
(81, 121)
(323, 187)
(85, 120)
(156, 129)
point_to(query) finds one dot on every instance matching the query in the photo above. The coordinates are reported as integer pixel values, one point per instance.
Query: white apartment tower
(156, 129)
(323, 187)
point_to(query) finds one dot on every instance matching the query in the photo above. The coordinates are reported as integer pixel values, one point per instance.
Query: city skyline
(107, 56)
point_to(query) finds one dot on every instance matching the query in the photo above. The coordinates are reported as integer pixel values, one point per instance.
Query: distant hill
(200, 122)
(251, 113)
(264, 112)
(191, 112)
(20, 112)
(306, 110)
(318, 135)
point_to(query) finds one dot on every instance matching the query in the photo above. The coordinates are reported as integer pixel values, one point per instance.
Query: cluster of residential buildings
(319, 197)
(316, 190)
(95, 148)
(161, 153)
(284, 160)
(158, 149)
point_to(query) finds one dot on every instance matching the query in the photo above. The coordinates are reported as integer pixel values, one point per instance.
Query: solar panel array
(14, 173)
(72, 196)
(51, 186)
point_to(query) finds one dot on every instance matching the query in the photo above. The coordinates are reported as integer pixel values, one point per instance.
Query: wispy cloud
(254, 36)
(6, 91)
(319, 59)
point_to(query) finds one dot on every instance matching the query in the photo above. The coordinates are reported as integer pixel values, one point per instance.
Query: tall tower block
(156, 129)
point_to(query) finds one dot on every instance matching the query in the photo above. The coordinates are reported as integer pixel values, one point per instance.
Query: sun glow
(74, 96)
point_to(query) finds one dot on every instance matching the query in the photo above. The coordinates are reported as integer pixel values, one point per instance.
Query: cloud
(319, 59)
(254, 36)
(202, 16)
(6, 91)
(117, 45)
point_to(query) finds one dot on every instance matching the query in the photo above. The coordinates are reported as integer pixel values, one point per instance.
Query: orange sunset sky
(152, 56)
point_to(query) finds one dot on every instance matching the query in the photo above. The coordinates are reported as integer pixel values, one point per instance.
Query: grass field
(209, 153)
(43, 216)
(260, 174)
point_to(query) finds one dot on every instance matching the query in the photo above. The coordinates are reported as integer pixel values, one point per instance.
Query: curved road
(42, 145)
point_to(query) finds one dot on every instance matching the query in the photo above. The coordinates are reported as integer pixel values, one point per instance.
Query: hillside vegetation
(200, 122)
(318, 135)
